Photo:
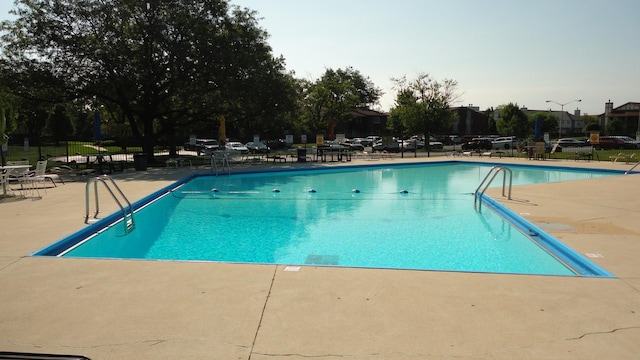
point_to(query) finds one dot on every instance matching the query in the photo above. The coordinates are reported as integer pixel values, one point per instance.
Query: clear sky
(499, 51)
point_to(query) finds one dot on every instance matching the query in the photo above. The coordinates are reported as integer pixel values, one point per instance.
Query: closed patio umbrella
(537, 128)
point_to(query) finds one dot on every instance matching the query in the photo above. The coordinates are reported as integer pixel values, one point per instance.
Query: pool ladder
(489, 179)
(225, 162)
(633, 167)
(127, 212)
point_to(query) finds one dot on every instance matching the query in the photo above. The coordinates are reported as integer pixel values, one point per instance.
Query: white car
(571, 142)
(237, 147)
(505, 142)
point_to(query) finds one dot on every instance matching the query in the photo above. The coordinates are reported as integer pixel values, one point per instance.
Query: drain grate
(547, 226)
(322, 260)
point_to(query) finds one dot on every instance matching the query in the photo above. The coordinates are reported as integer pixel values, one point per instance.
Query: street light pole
(562, 113)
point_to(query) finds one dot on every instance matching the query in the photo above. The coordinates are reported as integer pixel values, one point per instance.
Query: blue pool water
(401, 217)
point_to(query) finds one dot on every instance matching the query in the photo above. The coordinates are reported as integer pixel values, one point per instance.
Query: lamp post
(562, 113)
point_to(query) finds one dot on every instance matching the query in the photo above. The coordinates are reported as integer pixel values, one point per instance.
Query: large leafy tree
(423, 105)
(513, 121)
(548, 123)
(615, 126)
(60, 124)
(167, 66)
(592, 123)
(332, 97)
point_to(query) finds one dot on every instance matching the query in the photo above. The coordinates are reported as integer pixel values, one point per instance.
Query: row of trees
(160, 70)
(513, 121)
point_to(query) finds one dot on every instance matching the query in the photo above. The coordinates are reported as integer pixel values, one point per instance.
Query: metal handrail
(633, 167)
(488, 179)
(127, 219)
(225, 161)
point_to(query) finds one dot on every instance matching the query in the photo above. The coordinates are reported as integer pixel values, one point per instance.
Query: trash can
(140, 162)
(302, 155)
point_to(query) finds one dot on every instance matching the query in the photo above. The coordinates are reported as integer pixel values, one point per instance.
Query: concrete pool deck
(114, 309)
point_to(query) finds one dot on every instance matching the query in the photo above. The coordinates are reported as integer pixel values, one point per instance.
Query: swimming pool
(419, 216)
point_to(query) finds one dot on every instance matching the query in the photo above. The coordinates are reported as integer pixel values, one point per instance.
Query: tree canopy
(513, 121)
(548, 123)
(166, 67)
(423, 105)
(334, 95)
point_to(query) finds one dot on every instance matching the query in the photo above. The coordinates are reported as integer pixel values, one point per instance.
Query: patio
(115, 309)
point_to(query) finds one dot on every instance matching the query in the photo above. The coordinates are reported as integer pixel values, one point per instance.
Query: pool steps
(491, 175)
(127, 212)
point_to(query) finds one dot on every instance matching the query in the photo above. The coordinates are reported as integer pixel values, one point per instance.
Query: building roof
(363, 112)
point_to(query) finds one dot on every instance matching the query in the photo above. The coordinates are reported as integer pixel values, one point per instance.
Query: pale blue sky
(499, 51)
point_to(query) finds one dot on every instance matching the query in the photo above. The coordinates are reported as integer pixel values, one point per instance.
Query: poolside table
(5, 170)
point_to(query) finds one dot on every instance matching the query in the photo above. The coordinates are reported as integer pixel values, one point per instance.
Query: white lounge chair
(40, 174)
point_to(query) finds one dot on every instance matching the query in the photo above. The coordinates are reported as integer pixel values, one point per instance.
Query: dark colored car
(548, 147)
(478, 144)
(353, 145)
(444, 139)
(257, 147)
(610, 142)
(392, 146)
(277, 144)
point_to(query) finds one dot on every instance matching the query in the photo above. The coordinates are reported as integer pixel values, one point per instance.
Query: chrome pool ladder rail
(127, 212)
(488, 179)
(633, 167)
(225, 162)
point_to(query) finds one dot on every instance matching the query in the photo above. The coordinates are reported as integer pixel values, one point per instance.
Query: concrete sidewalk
(116, 309)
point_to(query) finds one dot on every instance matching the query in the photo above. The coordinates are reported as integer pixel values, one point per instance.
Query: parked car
(629, 140)
(188, 146)
(237, 147)
(434, 144)
(335, 145)
(257, 147)
(277, 144)
(206, 146)
(571, 142)
(370, 140)
(392, 146)
(455, 139)
(409, 145)
(478, 144)
(353, 145)
(548, 147)
(611, 142)
(505, 142)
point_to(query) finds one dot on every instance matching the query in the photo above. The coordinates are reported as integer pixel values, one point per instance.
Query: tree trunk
(148, 139)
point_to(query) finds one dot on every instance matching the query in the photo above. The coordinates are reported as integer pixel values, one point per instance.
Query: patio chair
(25, 179)
(539, 151)
(629, 159)
(40, 174)
(71, 173)
(620, 156)
(553, 150)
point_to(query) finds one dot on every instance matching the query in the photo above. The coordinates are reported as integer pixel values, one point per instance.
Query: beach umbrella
(97, 131)
(222, 130)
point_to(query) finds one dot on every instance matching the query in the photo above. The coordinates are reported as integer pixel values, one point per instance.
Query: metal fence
(68, 152)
